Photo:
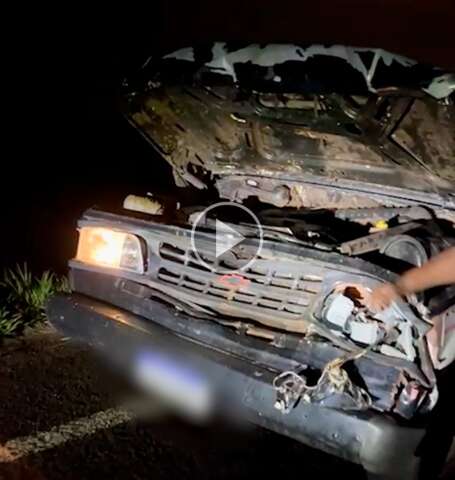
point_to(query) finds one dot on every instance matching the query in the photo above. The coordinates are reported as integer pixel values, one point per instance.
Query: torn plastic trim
(346, 311)
(334, 388)
(337, 281)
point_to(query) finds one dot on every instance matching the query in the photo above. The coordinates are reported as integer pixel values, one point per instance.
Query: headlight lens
(110, 248)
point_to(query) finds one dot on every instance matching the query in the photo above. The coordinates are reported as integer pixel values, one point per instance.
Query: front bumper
(372, 440)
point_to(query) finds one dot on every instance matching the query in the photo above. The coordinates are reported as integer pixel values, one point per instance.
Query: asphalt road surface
(63, 415)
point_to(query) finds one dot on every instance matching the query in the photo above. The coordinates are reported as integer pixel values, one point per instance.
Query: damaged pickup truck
(346, 159)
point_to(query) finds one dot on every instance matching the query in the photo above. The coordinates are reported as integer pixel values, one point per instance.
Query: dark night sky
(66, 147)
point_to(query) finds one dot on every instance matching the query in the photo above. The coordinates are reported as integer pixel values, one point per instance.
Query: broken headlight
(346, 314)
(110, 248)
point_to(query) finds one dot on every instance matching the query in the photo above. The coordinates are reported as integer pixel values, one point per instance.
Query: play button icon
(226, 237)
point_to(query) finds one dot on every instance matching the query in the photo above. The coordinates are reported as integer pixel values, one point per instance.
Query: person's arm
(438, 271)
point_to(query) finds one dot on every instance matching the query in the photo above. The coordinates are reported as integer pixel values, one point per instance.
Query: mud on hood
(301, 113)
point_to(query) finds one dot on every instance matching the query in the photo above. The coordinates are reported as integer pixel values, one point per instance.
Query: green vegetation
(24, 296)
(8, 323)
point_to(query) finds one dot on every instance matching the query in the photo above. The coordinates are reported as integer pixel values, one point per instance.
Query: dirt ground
(64, 415)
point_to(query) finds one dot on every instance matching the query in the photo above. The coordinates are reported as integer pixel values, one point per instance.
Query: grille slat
(282, 291)
(255, 287)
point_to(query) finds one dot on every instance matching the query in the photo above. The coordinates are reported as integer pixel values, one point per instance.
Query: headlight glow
(110, 248)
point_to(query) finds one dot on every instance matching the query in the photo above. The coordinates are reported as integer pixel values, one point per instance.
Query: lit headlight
(110, 248)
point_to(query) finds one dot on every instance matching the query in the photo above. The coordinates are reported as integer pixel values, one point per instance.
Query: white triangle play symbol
(226, 238)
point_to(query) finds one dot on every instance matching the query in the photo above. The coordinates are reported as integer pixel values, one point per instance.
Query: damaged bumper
(244, 372)
(287, 305)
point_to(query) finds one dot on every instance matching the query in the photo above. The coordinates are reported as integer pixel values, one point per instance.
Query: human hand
(382, 297)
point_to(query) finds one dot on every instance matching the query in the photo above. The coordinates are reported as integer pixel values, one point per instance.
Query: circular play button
(226, 237)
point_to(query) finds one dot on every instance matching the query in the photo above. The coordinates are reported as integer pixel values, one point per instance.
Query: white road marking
(20, 447)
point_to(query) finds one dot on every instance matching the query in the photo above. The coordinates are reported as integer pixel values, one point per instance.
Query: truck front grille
(280, 289)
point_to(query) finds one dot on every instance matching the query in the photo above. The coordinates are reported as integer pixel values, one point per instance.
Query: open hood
(358, 127)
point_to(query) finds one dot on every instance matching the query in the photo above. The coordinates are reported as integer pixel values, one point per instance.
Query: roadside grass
(24, 296)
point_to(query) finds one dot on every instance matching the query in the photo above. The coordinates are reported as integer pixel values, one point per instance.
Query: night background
(68, 148)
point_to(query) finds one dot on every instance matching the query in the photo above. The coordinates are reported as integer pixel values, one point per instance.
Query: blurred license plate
(181, 385)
